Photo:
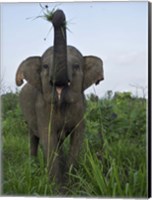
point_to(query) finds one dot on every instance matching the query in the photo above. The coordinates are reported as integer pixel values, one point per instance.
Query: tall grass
(96, 177)
(21, 175)
(113, 160)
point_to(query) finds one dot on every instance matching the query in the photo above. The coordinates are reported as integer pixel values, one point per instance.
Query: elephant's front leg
(52, 155)
(53, 158)
(76, 140)
(34, 141)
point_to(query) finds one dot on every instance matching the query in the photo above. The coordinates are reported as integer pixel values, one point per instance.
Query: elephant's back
(71, 51)
(47, 56)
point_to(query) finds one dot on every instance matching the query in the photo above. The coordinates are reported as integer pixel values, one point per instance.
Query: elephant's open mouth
(59, 91)
(60, 88)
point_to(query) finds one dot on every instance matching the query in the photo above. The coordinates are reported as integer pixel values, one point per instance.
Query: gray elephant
(52, 100)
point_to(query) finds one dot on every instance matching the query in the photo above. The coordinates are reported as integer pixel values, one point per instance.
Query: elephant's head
(61, 70)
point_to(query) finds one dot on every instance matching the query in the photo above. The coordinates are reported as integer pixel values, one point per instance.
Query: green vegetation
(113, 159)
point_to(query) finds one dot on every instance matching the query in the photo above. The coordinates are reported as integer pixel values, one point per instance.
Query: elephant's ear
(93, 71)
(29, 70)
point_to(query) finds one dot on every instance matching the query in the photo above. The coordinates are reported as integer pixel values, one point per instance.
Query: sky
(117, 32)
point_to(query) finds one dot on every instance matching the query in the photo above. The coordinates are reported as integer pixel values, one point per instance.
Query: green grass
(113, 159)
(21, 175)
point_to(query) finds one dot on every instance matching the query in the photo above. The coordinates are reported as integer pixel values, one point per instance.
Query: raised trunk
(59, 76)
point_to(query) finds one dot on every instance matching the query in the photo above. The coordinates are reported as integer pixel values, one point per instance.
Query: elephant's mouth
(59, 89)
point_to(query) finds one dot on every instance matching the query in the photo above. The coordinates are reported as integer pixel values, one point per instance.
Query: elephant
(53, 100)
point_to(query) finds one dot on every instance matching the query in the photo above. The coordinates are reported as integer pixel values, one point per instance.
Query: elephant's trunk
(59, 76)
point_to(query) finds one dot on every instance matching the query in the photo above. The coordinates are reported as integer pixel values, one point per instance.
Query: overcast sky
(117, 32)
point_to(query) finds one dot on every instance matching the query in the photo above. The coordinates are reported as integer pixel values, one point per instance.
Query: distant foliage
(118, 116)
(113, 163)
(9, 103)
(13, 120)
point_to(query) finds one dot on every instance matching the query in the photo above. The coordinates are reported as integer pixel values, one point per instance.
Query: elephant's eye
(76, 66)
(45, 66)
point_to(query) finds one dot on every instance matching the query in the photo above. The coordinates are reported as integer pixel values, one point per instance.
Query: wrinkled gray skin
(52, 100)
